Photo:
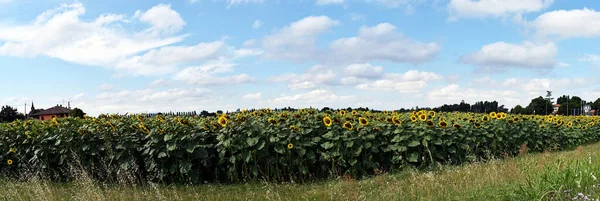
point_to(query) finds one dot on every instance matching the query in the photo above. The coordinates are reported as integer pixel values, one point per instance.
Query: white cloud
(381, 42)
(357, 17)
(317, 96)
(163, 19)
(568, 23)
(205, 74)
(236, 2)
(409, 82)
(499, 55)
(327, 2)
(316, 76)
(249, 43)
(365, 70)
(256, 96)
(159, 83)
(494, 8)
(106, 87)
(59, 33)
(297, 41)
(257, 24)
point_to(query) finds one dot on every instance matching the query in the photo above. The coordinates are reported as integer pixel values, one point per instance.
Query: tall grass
(570, 175)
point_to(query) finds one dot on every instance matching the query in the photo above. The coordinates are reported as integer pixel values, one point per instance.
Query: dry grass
(509, 179)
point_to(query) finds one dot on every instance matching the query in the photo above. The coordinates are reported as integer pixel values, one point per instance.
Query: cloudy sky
(182, 55)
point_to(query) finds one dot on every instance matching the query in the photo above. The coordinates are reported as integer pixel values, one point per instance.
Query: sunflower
(272, 121)
(396, 120)
(431, 113)
(583, 128)
(493, 115)
(413, 118)
(516, 119)
(422, 117)
(183, 122)
(348, 125)
(457, 126)
(510, 121)
(10, 162)
(471, 121)
(223, 121)
(443, 124)
(485, 118)
(342, 112)
(542, 126)
(363, 121)
(290, 146)
(12, 150)
(430, 123)
(327, 121)
(385, 112)
(477, 125)
(353, 112)
(376, 129)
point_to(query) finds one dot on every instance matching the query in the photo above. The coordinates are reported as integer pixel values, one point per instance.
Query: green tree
(77, 113)
(8, 114)
(540, 106)
(519, 110)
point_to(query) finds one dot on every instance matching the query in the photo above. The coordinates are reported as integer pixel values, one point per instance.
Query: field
(332, 148)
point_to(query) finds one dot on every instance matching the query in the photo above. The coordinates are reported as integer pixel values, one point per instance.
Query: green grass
(544, 176)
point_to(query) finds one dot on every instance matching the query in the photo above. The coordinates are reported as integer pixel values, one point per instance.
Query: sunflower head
(327, 121)
(443, 124)
(423, 117)
(542, 126)
(223, 121)
(477, 125)
(396, 120)
(457, 126)
(354, 112)
(272, 121)
(342, 112)
(290, 146)
(431, 113)
(430, 123)
(510, 121)
(9, 162)
(485, 118)
(12, 150)
(493, 115)
(348, 125)
(363, 122)
(376, 129)
(385, 112)
(413, 118)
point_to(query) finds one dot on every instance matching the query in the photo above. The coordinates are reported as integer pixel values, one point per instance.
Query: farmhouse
(57, 111)
(555, 106)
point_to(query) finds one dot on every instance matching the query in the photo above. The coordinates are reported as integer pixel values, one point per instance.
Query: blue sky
(150, 56)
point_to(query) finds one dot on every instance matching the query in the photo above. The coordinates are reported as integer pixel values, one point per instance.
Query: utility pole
(25, 111)
(567, 105)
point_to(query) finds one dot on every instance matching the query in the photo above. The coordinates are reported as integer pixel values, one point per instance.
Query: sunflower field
(276, 146)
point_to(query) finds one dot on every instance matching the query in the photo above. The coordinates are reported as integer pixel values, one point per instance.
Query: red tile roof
(53, 110)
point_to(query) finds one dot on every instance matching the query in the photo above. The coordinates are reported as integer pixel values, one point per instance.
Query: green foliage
(77, 113)
(276, 146)
(8, 114)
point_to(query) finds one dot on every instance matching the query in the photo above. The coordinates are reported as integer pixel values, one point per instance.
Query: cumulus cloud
(61, 34)
(256, 96)
(568, 23)
(381, 42)
(297, 41)
(409, 82)
(208, 74)
(314, 77)
(502, 55)
(494, 8)
(317, 96)
(163, 19)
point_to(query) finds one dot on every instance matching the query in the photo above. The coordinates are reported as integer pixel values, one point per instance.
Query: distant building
(57, 111)
(555, 106)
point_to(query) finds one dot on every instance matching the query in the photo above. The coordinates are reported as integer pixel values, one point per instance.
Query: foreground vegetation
(567, 175)
(299, 146)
